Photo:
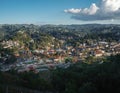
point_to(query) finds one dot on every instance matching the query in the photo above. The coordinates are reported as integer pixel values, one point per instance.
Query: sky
(59, 11)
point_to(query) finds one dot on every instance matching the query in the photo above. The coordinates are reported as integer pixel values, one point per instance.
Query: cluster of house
(45, 59)
(34, 65)
(10, 44)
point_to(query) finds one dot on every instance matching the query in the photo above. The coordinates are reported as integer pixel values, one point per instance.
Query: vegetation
(79, 78)
(72, 34)
(93, 76)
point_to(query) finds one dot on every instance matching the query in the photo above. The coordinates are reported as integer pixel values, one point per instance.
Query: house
(98, 53)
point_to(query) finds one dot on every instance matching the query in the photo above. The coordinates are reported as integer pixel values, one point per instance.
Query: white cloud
(72, 10)
(110, 5)
(106, 10)
(90, 11)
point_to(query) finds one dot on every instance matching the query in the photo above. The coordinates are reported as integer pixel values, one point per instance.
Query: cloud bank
(106, 10)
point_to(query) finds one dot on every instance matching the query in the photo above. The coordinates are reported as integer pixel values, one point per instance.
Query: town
(17, 54)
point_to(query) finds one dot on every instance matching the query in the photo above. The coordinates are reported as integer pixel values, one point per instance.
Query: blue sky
(46, 12)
